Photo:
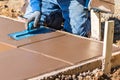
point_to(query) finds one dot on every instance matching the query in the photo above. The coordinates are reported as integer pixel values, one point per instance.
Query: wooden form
(101, 6)
(95, 25)
(83, 66)
(106, 5)
(107, 46)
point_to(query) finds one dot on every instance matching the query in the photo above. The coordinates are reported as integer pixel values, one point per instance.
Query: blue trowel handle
(30, 26)
(86, 4)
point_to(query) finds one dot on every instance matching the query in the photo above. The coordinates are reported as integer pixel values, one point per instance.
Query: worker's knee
(82, 29)
(78, 25)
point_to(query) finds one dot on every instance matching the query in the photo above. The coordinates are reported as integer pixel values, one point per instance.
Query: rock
(16, 4)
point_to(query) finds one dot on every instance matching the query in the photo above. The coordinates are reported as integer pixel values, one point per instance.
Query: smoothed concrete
(8, 26)
(19, 64)
(68, 48)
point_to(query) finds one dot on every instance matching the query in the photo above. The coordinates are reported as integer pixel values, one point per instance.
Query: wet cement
(8, 26)
(19, 64)
(69, 49)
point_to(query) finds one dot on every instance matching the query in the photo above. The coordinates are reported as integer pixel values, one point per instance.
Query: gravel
(96, 74)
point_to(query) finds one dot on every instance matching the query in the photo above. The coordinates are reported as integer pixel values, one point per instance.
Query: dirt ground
(9, 9)
(96, 74)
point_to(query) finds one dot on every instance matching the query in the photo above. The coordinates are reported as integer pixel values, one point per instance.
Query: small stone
(57, 79)
(62, 77)
(80, 77)
(73, 76)
(98, 74)
(95, 71)
(88, 78)
(84, 74)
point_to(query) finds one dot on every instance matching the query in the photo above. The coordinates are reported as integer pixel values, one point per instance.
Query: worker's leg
(76, 18)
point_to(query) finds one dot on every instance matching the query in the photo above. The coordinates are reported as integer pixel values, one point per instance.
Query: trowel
(87, 3)
(29, 32)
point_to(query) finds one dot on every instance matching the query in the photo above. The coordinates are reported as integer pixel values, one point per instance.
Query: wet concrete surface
(42, 53)
(8, 26)
(68, 48)
(4, 47)
(19, 64)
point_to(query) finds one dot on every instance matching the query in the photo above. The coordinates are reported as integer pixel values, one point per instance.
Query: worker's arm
(35, 4)
(35, 16)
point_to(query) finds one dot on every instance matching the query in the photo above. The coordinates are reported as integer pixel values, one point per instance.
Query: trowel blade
(28, 33)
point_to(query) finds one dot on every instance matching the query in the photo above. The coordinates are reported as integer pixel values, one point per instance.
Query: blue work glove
(35, 17)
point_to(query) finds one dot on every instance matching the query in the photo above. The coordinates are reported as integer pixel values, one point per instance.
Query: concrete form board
(106, 5)
(110, 1)
(68, 48)
(8, 26)
(18, 64)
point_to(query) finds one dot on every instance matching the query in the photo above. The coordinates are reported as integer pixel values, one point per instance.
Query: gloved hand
(34, 17)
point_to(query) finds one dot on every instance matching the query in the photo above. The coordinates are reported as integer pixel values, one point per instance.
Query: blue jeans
(76, 17)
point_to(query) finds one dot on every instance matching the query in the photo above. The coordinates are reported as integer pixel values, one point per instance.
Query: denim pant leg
(76, 18)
